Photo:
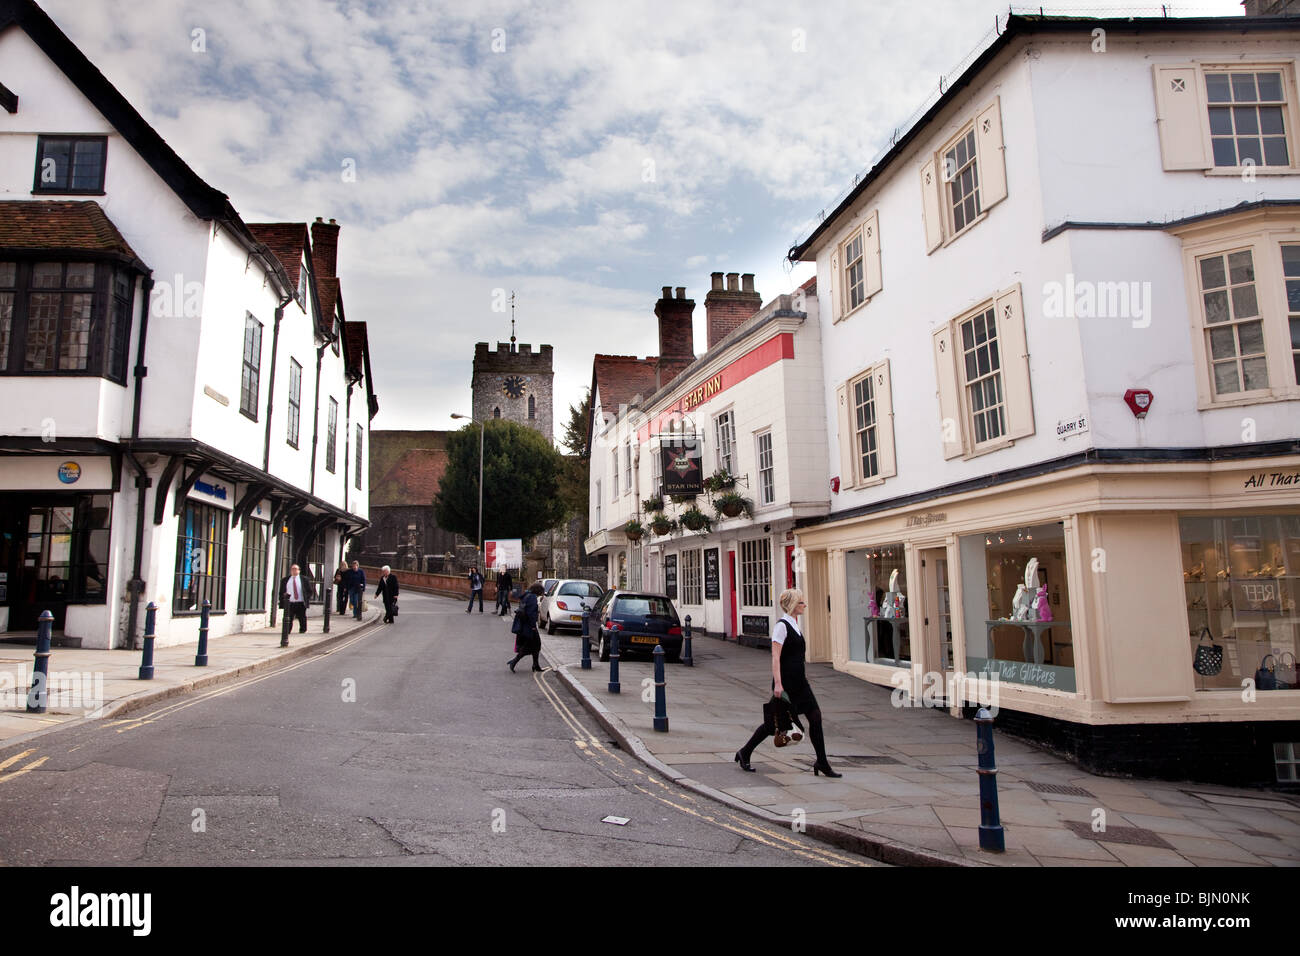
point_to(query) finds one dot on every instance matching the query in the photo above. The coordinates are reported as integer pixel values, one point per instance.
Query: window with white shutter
(867, 428)
(964, 178)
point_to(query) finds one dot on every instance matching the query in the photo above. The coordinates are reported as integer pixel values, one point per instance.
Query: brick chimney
(325, 245)
(676, 335)
(728, 308)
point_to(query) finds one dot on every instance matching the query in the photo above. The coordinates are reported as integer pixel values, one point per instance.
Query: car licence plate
(645, 640)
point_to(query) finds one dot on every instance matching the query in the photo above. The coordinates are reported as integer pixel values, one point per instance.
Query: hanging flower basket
(682, 499)
(694, 520)
(731, 504)
(634, 530)
(653, 503)
(661, 524)
(720, 480)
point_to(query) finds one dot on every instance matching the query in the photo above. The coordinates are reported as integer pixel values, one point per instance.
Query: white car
(563, 605)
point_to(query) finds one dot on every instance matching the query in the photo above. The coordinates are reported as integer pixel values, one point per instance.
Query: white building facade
(1063, 328)
(156, 356)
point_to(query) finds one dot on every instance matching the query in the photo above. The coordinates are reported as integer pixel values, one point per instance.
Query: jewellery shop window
(879, 630)
(1242, 581)
(1016, 606)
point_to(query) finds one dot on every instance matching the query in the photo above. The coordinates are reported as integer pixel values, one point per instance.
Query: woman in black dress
(529, 640)
(788, 676)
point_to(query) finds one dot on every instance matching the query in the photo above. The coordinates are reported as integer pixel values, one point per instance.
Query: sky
(581, 155)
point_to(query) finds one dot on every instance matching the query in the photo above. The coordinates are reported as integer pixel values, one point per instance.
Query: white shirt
(294, 589)
(779, 633)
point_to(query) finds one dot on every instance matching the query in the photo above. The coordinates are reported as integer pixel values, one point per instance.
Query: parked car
(562, 605)
(642, 620)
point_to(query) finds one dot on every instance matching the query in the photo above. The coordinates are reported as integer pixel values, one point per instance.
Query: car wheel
(604, 648)
(550, 627)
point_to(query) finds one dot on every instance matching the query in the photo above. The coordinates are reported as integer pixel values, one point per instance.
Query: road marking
(17, 757)
(18, 773)
(749, 829)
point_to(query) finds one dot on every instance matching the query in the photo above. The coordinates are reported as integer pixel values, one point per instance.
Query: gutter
(142, 480)
(315, 424)
(270, 391)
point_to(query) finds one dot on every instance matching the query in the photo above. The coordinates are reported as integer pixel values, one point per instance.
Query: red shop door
(789, 566)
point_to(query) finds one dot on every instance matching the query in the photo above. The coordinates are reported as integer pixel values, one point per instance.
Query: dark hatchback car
(642, 621)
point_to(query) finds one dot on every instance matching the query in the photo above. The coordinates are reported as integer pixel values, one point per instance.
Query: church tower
(514, 383)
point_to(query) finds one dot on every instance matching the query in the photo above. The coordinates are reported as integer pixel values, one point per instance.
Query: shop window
(964, 179)
(756, 573)
(866, 428)
(879, 630)
(200, 559)
(1020, 632)
(1286, 758)
(67, 552)
(982, 367)
(252, 567)
(692, 583)
(1241, 576)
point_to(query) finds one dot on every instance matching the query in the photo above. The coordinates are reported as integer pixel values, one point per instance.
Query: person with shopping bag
(789, 683)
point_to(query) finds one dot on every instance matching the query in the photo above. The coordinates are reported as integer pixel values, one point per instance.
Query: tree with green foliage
(577, 465)
(521, 482)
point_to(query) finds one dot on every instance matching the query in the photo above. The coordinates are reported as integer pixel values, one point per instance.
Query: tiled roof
(38, 225)
(288, 240)
(357, 343)
(327, 291)
(810, 286)
(621, 379)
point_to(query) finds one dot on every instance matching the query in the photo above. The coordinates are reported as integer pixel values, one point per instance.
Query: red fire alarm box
(835, 484)
(1139, 401)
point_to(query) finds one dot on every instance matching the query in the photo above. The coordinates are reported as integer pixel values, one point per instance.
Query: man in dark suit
(295, 592)
(388, 591)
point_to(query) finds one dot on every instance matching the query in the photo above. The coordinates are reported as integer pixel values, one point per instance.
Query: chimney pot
(668, 292)
(748, 281)
(318, 219)
(681, 292)
(717, 281)
(733, 281)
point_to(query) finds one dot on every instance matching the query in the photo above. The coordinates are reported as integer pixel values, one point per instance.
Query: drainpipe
(315, 421)
(270, 391)
(142, 480)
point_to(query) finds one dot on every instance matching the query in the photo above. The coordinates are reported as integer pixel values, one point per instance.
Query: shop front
(1142, 618)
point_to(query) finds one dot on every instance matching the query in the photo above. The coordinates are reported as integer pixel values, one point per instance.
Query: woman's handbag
(393, 613)
(1208, 659)
(1286, 676)
(517, 626)
(776, 718)
(1266, 676)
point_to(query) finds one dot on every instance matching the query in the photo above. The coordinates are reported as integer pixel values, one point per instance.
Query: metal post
(482, 553)
(39, 694)
(329, 599)
(146, 662)
(686, 651)
(614, 687)
(661, 693)
(586, 639)
(201, 658)
(991, 835)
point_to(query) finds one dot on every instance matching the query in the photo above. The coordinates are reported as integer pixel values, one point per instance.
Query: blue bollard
(146, 662)
(586, 639)
(39, 694)
(614, 687)
(201, 658)
(991, 835)
(661, 693)
(686, 639)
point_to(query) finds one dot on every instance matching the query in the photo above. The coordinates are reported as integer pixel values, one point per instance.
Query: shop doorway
(53, 552)
(936, 610)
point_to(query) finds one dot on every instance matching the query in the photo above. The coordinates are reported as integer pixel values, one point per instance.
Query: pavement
(910, 792)
(88, 684)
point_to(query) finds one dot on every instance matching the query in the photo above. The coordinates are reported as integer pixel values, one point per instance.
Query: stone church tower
(514, 383)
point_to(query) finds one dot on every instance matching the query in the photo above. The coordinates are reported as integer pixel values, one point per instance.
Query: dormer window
(70, 164)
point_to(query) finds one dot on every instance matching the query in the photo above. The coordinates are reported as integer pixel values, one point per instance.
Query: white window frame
(1183, 121)
(852, 473)
(756, 573)
(627, 467)
(724, 427)
(939, 176)
(1264, 232)
(691, 577)
(613, 487)
(598, 524)
(766, 475)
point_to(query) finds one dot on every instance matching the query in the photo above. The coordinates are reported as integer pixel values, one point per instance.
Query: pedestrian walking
(475, 589)
(388, 591)
(355, 582)
(295, 592)
(788, 647)
(340, 588)
(528, 640)
(504, 584)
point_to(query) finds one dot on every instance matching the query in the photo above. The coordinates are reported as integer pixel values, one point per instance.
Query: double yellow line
(17, 757)
(685, 802)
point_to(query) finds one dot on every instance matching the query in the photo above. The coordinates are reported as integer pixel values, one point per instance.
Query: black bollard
(329, 599)
(586, 639)
(150, 621)
(661, 693)
(39, 694)
(614, 687)
(686, 638)
(201, 658)
(991, 835)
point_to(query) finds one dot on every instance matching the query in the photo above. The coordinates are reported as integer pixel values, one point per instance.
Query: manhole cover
(864, 761)
(1132, 836)
(1059, 788)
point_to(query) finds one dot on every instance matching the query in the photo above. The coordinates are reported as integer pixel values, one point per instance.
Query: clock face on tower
(513, 387)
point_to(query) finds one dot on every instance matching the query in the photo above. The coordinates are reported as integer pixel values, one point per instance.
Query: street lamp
(480, 477)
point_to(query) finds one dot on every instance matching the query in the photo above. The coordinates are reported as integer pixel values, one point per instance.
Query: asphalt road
(412, 744)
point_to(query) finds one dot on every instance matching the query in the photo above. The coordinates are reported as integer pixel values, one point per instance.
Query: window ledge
(1238, 171)
(857, 308)
(1250, 398)
(68, 192)
(967, 228)
(986, 448)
